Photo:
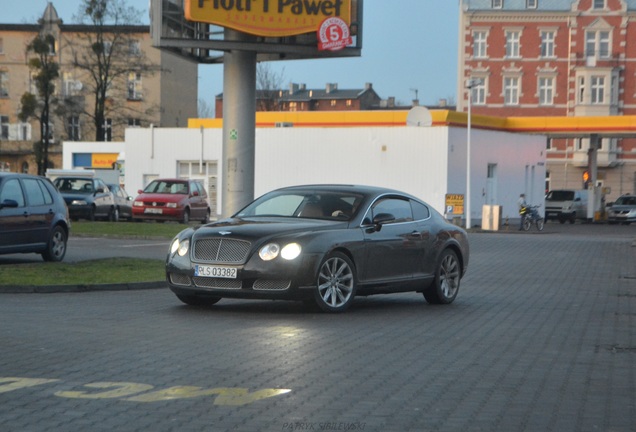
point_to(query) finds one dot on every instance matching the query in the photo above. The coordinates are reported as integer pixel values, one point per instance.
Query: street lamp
(470, 84)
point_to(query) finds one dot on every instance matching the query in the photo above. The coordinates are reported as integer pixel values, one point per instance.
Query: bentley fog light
(290, 251)
(269, 251)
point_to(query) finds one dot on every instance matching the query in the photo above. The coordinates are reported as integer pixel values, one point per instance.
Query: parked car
(324, 244)
(123, 201)
(33, 217)
(179, 200)
(87, 198)
(623, 210)
(566, 205)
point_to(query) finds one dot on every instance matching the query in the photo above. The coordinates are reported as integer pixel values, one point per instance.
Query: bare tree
(39, 106)
(109, 56)
(204, 109)
(268, 85)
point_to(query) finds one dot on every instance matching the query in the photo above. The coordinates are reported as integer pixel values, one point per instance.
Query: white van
(566, 204)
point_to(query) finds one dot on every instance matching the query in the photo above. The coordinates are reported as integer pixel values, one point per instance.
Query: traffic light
(586, 179)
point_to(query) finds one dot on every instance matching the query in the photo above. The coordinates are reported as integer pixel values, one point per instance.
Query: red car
(179, 200)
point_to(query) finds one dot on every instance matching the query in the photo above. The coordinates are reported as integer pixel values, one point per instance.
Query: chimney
(368, 86)
(302, 87)
(416, 102)
(331, 87)
(391, 102)
(443, 102)
(293, 88)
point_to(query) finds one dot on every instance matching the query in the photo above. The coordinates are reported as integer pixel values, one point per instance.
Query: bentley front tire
(335, 283)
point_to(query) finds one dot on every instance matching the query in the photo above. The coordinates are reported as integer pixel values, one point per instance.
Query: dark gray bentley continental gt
(322, 243)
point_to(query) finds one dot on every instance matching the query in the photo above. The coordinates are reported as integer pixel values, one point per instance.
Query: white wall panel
(426, 162)
(409, 159)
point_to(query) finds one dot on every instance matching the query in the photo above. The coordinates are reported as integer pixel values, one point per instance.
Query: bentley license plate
(215, 271)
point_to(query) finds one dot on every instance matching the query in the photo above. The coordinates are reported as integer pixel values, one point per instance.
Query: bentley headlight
(180, 247)
(290, 251)
(269, 251)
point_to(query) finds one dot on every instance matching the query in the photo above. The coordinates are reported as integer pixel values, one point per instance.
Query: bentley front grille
(217, 283)
(271, 284)
(179, 279)
(220, 250)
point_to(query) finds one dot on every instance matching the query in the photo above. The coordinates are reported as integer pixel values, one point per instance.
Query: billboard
(269, 18)
(281, 29)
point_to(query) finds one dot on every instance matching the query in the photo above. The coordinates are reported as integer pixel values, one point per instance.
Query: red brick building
(299, 98)
(555, 58)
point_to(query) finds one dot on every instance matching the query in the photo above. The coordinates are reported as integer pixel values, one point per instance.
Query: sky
(409, 48)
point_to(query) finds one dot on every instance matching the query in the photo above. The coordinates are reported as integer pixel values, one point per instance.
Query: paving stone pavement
(542, 337)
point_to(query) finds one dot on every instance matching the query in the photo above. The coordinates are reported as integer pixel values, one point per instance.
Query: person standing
(521, 204)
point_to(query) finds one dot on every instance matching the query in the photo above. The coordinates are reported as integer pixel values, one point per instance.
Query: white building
(428, 162)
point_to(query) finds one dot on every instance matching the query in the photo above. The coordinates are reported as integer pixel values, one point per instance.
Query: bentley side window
(400, 209)
(420, 211)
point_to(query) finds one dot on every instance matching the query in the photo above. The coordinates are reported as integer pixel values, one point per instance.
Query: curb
(44, 289)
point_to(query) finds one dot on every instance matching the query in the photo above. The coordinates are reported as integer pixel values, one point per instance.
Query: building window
(497, 4)
(134, 49)
(134, 122)
(333, 102)
(532, 4)
(598, 4)
(479, 43)
(511, 90)
(547, 43)
(134, 86)
(71, 86)
(108, 129)
(581, 92)
(597, 43)
(597, 90)
(52, 45)
(24, 131)
(349, 102)
(512, 43)
(579, 144)
(73, 128)
(51, 136)
(4, 127)
(546, 90)
(4, 84)
(479, 92)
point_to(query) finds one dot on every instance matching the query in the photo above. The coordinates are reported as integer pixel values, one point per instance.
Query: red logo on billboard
(333, 34)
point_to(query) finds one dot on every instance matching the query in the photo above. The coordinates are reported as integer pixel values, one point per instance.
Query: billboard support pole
(239, 125)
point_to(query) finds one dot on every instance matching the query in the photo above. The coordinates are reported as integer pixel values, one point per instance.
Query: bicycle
(531, 216)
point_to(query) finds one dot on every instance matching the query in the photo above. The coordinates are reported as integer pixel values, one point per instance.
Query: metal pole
(467, 209)
(239, 124)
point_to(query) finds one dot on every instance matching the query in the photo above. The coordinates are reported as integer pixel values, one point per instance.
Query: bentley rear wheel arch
(448, 274)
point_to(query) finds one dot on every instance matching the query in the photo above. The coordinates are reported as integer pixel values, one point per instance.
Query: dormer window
(532, 4)
(497, 4)
(52, 45)
(598, 4)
